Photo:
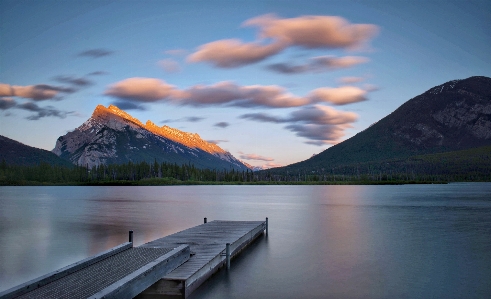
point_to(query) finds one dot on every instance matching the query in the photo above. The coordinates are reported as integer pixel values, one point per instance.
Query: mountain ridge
(111, 135)
(16, 153)
(455, 115)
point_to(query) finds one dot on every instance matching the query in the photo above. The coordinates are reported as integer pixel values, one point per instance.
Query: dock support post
(206, 219)
(227, 254)
(131, 236)
(266, 225)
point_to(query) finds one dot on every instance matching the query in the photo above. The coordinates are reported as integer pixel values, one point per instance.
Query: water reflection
(324, 241)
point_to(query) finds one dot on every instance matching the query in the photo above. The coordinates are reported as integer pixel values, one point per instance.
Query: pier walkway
(208, 244)
(170, 266)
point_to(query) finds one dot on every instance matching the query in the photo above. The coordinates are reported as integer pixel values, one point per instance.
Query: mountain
(112, 136)
(453, 116)
(16, 153)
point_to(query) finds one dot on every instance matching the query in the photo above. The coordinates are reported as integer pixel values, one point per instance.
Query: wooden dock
(208, 244)
(170, 266)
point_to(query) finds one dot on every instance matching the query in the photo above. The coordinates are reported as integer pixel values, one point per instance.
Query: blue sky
(273, 82)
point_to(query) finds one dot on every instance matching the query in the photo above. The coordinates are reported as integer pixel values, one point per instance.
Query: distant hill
(112, 136)
(16, 153)
(450, 117)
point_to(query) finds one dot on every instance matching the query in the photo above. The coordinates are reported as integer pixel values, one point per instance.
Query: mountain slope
(453, 116)
(16, 153)
(111, 136)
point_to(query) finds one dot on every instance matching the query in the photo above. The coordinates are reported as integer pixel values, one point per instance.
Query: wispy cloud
(318, 64)
(169, 65)
(233, 53)
(217, 141)
(229, 94)
(221, 124)
(95, 53)
(41, 112)
(314, 31)
(77, 81)
(275, 35)
(7, 103)
(191, 119)
(140, 89)
(38, 92)
(127, 105)
(97, 73)
(350, 80)
(319, 124)
(338, 96)
(255, 157)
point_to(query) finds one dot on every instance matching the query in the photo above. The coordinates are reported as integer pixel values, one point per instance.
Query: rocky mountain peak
(111, 135)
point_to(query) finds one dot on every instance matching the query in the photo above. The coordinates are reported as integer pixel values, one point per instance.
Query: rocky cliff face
(113, 136)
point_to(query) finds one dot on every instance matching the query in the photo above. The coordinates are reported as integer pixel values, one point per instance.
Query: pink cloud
(141, 89)
(35, 92)
(255, 157)
(307, 31)
(338, 96)
(228, 94)
(350, 80)
(314, 31)
(270, 165)
(233, 53)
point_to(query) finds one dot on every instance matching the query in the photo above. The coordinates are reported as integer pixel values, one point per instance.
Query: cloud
(309, 32)
(95, 53)
(338, 96)
(222, 93)
(243, 96)
(318, 64)
(192, 119)
(140, 89)
(350, 80)
(217, 141)
(319, 124)
(48, 111)
(97, 73)
(318, 134)
(127, 105)
(7, 103)
(229, 94)
(271, 165)
(169, 65)
(38, 92)
(231, 53)
(222, 124)
(81, 82)
(255, 157)
(314, 31)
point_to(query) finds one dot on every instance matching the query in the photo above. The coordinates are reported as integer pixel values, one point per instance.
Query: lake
(408, 241)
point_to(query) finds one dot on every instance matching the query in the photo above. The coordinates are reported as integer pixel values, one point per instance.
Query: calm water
(418, 241)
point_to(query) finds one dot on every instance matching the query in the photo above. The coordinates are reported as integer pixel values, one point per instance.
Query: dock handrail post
(227, 254)
(131, 236)
(266, 225)
(206, 219)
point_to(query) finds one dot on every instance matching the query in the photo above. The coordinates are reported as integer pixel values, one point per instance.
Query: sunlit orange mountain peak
(111, 135)
(191, 140)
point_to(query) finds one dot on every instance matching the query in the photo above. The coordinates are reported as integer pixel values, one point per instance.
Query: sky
(272, 82)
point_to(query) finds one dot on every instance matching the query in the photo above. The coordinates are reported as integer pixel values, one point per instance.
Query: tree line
(168, 173)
